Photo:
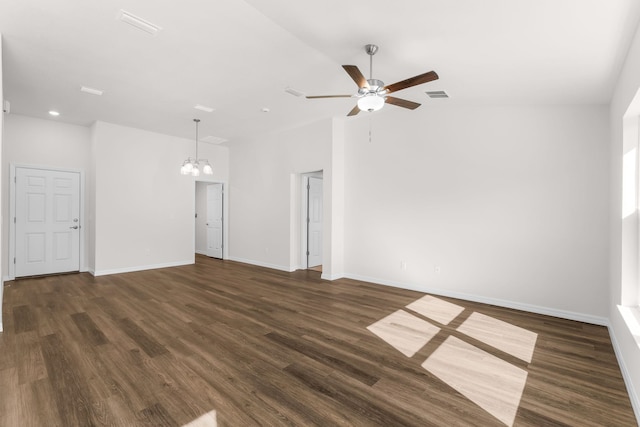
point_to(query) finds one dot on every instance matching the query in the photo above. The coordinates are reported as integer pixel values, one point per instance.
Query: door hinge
(308, 220)
(14, 260)
(14, 219)
(307, 253)
(308, 186)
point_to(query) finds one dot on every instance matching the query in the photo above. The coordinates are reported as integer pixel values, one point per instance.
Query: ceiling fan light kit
(372, 93)
(371, 102)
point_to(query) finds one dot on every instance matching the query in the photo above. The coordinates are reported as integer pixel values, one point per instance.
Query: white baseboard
(139, 268)
(331, 276)
(633, 395)
(1, 326)
(201, 252)
(263, 264)
(569, 315)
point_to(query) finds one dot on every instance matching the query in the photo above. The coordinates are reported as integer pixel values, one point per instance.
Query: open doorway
(312, 221)
(209, 219)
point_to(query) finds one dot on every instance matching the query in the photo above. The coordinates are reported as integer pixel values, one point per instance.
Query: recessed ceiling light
(265, 110)
(204, 108)
(54, 113)
(91, 90)
(138, 22)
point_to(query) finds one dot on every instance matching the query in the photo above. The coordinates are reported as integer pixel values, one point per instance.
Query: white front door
(47, 222)
(314, 213)
(214, 220)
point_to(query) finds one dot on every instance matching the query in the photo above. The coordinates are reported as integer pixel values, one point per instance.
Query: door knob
(75, 227)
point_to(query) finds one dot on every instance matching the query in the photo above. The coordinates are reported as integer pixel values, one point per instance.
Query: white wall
(510, 203)
(36, 142)
(144, 208)
(2, 179)
(627, 349)
(201, 220)
(265, 194)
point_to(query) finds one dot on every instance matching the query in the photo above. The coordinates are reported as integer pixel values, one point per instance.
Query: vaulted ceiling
(239, 56)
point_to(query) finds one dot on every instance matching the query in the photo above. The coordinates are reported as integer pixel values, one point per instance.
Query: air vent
(91, 90)
(437, 94)
(213, 139)
(138, 22)
(204, 108)
(294, 92)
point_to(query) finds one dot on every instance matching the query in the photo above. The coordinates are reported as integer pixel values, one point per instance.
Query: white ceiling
(239, 56)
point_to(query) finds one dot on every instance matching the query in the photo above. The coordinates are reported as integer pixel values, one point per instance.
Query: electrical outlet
(437, 269)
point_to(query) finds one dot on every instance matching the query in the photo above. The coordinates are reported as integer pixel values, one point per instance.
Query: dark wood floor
(253, 346)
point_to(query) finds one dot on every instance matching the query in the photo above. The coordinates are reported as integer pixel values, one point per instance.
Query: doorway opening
(312, 221)
(210, 225)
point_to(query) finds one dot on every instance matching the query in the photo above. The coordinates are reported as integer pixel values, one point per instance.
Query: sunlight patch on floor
(404, 332)
(504, 336)
(207, 420)
(436, 309)
(490, 382)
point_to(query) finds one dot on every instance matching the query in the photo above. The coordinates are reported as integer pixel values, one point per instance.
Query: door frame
(225, 213)
(12, 213)
(304, 229)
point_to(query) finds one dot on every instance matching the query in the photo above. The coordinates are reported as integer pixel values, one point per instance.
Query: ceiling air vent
(294, 92)
(437, 94)
(138, 22)
(204, 108)
(91, 90)
(213, 139)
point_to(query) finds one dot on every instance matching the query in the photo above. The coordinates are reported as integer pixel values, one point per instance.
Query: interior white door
(47, 222)
(314, 220)
(214, 220)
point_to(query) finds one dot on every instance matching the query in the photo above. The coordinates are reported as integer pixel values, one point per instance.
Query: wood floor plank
(147, 343)
(23, 319)
(249, 346)
(89, 329)
(156, 415)
(70, 391)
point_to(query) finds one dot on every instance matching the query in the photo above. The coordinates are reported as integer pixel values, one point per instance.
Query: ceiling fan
(372, 93)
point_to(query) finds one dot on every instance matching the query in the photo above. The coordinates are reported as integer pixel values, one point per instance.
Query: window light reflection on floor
(482, 371)
(207, 420)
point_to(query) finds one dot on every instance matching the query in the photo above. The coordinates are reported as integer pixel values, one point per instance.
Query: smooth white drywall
(2, 250)
(49, 143)
(265, 194)
(509, 202)
(144, 208)
(623, 237)
(201, 218)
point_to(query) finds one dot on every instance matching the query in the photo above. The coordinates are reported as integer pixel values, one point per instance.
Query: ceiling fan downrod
(371, 50)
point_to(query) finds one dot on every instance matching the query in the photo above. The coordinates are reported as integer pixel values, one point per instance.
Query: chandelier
(192, 166)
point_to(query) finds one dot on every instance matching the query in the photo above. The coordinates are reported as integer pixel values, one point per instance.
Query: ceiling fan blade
(402, 102)
(329, 96)
(353, 112)
(413, 81)
(356, 75)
